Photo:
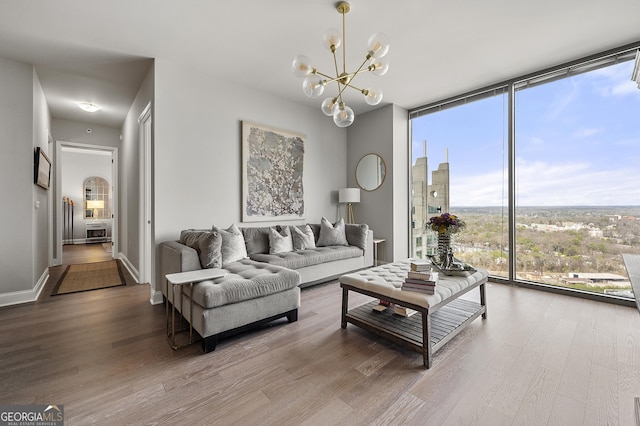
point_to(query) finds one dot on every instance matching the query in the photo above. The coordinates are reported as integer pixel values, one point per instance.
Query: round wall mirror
(370, 172)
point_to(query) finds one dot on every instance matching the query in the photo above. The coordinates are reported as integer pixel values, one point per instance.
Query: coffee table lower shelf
(443, 324)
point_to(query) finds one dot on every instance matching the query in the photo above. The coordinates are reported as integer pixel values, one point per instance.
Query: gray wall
(129, 176)
(385, 210)
(198, 149)
(24, 120)
(401, 179)
(41, 123)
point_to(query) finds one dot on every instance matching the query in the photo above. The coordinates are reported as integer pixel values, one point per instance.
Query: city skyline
(578, 133)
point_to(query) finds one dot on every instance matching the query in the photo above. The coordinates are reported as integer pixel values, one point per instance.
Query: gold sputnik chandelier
(315, 81)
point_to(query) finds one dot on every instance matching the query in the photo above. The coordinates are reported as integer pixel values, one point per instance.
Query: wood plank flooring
(539, 358)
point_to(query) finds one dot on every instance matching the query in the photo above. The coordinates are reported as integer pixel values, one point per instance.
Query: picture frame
(42, 169)
(272, 173)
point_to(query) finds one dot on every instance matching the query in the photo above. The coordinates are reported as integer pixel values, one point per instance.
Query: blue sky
(577, 143)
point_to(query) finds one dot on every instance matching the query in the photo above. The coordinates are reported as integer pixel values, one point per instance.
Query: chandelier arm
(342, 89)
(330, 78)
(335, 62)
(344, 44)
(357, 88)
(359, 70)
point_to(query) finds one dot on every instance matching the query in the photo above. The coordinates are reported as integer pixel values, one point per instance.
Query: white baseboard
(156, 297)
(127, 264)
(25, 296)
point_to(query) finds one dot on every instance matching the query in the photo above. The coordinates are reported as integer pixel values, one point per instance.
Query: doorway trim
(145, 121)
(58, 194)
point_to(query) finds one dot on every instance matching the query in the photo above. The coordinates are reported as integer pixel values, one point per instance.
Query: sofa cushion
(245, 280)
(315, 228)
(280, 242)
(206, 243)
(300, 259)
(357, 234)
(233, 248)
(332, 235)
(302, 237)
(256, 239)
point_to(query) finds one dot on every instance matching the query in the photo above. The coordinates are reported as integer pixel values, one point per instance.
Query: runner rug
(89, 276)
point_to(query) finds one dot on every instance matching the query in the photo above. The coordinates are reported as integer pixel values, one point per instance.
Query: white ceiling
(99, 51)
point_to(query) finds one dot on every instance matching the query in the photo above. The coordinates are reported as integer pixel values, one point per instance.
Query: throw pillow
(233, 248)
(256, 240)
(302, 237)
(357, 234)
(207, 244)
(280, 242)
(332, 235)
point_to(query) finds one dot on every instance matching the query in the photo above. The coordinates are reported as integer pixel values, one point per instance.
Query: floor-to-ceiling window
(570, 168)
(459, 167)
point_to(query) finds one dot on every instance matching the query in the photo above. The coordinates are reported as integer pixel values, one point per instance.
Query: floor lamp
(349, 196)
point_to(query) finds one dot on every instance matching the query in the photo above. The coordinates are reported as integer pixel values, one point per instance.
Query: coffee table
(439, 317)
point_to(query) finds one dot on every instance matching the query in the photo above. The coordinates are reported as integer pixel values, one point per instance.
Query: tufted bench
(250, 293)
(440, 316)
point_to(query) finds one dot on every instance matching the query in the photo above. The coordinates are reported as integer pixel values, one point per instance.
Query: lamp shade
(95, 204)
(349, 195)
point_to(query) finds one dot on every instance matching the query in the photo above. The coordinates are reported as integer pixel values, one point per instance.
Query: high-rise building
(428, 200)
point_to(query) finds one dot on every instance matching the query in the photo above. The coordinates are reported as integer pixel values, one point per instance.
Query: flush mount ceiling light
(315, 81)
(88, 106)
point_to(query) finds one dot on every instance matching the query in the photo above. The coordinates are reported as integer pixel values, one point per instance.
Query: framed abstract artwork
(42, 169)
(272, 171)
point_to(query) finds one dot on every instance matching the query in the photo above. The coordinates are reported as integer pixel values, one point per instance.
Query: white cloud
(587, 132)
(543, 184)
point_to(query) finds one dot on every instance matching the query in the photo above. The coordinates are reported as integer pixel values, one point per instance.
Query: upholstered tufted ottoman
(251, 293)
(440, 316)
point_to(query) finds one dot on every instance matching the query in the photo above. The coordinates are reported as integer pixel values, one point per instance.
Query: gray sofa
(260, 285)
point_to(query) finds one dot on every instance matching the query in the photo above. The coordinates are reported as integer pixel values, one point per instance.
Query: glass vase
(444, 244)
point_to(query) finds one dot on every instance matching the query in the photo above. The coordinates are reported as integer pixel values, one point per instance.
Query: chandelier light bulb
(373, 96)
(301, 66)
(332, 37)
(313, 86)
(380, 66)
(328, 105)
(343, 116)
(378, 45)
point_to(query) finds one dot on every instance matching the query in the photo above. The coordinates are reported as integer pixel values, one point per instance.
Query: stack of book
(420, 265)
(421, 281)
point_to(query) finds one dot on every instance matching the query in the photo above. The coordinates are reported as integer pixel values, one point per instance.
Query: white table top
(195, 276)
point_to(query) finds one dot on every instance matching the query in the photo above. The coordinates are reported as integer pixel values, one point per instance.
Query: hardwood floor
(86, 253)
(539, 358)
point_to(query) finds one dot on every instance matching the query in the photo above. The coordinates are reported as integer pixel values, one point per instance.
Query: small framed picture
(42, 169)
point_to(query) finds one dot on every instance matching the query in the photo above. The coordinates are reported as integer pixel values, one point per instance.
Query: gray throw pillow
(280, 242)
(332, 235)
(256, 240)
(233, 248)
(302, 237)
(207, 244)
(357, 234)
